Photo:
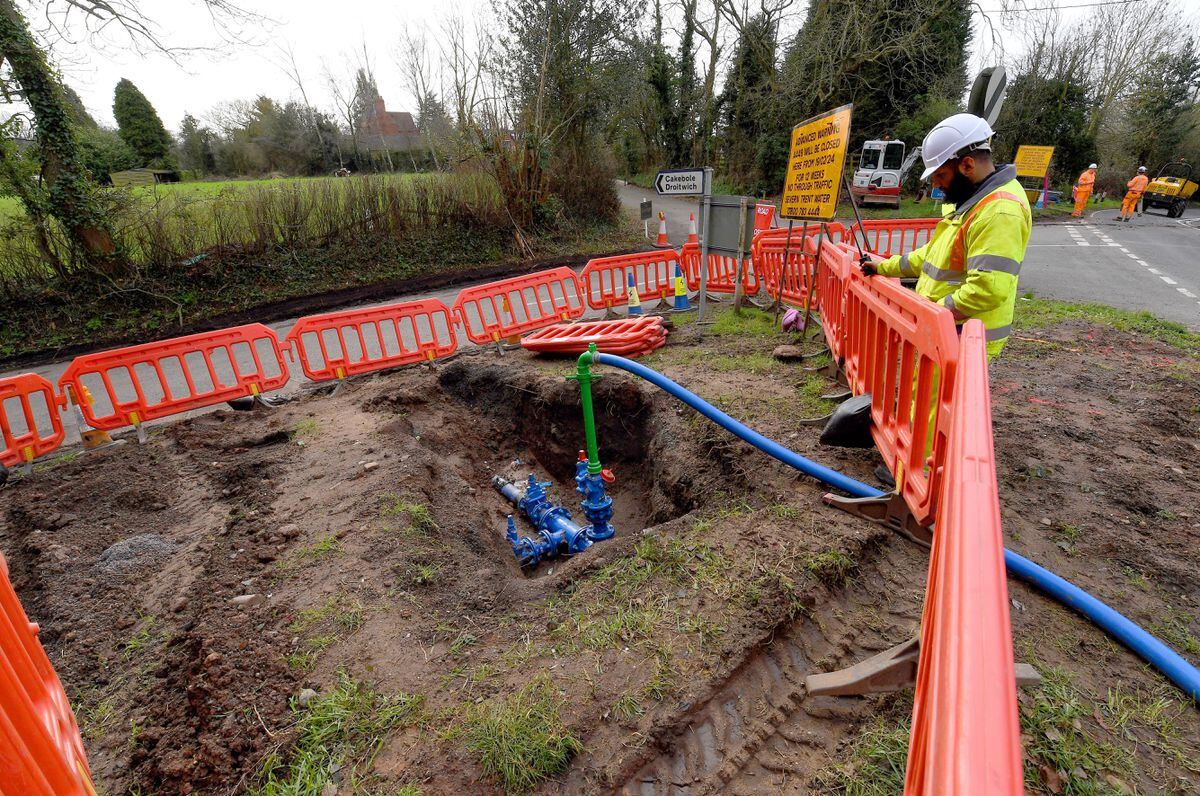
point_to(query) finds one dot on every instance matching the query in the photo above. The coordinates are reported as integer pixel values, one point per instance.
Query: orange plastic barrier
(888, 237)
(626, 336)
(340, 344)
(903, 349)
(797, 273)
(133, 385)
(835, 269)
(606, 279)
(837, 233)
(23, 436)
(965, 731)
(521, 304)
(41, 753)
(722, 271)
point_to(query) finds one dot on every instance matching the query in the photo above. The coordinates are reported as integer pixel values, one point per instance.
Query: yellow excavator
(1172, 188)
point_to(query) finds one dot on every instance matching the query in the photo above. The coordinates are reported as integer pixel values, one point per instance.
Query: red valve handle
(608, 475)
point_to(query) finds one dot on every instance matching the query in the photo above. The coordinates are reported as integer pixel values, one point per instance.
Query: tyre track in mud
(760, 732)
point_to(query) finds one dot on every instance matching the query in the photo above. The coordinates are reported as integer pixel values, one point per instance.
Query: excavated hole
(537, 426)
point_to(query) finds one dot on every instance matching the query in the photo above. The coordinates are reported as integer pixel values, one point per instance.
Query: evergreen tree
(196, 146)
(1162, 110)
(745, 103)
(888, 57)
(139, 125)
(1047, 112)
(660, 75)
(79, 115)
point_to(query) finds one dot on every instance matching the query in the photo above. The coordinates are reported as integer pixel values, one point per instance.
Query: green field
(10, 206)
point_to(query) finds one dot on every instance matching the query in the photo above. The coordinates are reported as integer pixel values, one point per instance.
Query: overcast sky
(320, 33)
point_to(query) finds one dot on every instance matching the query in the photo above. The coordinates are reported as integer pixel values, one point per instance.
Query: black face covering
(960, 189)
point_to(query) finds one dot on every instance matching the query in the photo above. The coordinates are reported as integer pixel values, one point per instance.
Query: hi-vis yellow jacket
(970, 265)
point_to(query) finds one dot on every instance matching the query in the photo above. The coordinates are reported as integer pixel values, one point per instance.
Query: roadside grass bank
(202, 258)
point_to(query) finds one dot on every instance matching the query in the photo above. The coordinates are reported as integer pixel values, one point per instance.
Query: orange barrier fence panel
(30, 425)
(790, 262)
(965, 731)
(836, 232)
(605, 280)
(133, 385)
(491, 312)
(722, 271)
(835, 269)
(340, 344)
(903, 349)
(888, 237)
(41, 753)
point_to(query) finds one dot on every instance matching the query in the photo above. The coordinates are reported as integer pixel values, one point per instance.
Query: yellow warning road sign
(814, 173)
(1033, 161)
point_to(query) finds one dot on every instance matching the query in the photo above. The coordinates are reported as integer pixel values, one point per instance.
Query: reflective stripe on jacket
(971, 263)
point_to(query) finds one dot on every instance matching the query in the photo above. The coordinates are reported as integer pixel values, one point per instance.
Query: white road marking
(1168, 280)
(1142, 262)
(1155, 271)
(1186, 292)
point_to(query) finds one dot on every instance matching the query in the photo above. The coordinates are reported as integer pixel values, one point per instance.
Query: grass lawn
(10, 206)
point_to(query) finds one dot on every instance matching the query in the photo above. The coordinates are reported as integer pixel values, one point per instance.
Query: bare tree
(709, 29)
(412, 57)
(1121, 36)
(287, 63)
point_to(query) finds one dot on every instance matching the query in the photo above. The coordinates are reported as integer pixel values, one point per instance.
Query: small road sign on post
(680, 182)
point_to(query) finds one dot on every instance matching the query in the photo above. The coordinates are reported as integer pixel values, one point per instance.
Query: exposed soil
(678, 649)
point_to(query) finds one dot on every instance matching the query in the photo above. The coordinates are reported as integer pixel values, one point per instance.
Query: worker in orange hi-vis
(1136, 186)
(1083, 190)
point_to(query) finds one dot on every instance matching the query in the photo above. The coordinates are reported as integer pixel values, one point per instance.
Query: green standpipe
(583, 375)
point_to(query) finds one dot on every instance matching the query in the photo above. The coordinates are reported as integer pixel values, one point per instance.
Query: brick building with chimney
(382, 130)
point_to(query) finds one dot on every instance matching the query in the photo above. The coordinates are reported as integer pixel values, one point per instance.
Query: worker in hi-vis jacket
(1083, 189)
(971, 263)
(1137, 187)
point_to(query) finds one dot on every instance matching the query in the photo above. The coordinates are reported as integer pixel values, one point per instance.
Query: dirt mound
(211, 597)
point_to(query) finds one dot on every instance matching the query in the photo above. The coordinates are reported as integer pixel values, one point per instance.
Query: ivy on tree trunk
(67, 193)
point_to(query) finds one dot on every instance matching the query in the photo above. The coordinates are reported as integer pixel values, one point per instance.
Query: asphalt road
(1149, 263)
(1141, 265)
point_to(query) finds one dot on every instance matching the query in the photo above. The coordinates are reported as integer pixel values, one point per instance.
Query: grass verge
(337, 734)
(521, 740)
(1039, 313)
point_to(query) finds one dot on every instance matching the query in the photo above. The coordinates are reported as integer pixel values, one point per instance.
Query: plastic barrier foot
(815, 421)
(890, 670)
(890, 510)
(840, 395)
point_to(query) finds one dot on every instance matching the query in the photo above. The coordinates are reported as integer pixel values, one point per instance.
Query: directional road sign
(680, 182)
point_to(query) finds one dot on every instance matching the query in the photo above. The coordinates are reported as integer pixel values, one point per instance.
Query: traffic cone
(635, 303)
(91, 437)
(692, 236)
(662, 231)
(681, 297)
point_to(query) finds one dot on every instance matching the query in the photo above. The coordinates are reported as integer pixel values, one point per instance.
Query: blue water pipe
(1149, 648)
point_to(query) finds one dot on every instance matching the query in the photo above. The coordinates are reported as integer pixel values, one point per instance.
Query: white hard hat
(961, 133)
(1141, 168)
(1092, 166)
